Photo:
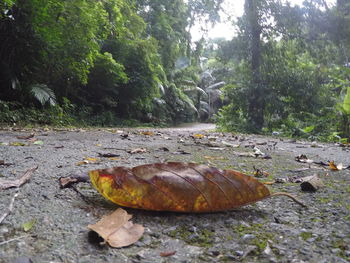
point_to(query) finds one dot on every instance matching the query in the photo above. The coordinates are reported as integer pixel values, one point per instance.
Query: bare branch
(9, 209)
(5, 184)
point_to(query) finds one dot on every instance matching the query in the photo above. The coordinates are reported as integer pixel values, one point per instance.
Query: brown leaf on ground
(208, 157)
(147, 133)
(179, 152)
(5, 184)
(117, 230)
(89, 160)
(230, 144)
(137, 150)
(335, 167)
(303, 159)
(197, 136)
(26, 137)
(2, 162)
(167, 253)
(66, 182)
(260, 173)
(179, 187)
(269, 183)
(108, 155)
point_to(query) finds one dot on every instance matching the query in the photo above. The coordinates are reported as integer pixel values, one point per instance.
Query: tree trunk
(256, 96)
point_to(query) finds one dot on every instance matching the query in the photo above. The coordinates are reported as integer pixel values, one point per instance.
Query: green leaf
(38, 143)
(43, 94)
(29, 225)
(308, 129)
(346, 103)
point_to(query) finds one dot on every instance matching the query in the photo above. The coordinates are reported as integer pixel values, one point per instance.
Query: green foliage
(302, 77)
(105, 79)
(179, 106)
(142, 69)
(43, 94)
(346, 103)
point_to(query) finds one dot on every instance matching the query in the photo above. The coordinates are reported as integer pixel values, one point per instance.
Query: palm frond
(43, 94)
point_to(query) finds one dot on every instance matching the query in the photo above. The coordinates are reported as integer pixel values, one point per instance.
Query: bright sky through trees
(234, 9)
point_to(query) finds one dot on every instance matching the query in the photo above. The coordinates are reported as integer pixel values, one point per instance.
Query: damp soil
(272, 230)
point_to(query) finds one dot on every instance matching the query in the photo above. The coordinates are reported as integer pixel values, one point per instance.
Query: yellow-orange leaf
(180, 187)
(148, 133)
(198, 136)
(335, 167)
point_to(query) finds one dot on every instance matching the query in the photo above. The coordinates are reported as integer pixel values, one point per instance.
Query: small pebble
(248, 237)
(335, 250)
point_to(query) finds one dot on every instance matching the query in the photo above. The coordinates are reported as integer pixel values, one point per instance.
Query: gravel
(272, 230)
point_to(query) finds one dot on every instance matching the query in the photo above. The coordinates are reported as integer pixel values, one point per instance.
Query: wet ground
(273, 230)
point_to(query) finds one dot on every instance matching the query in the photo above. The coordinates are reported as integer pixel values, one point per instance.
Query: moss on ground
(201, 237)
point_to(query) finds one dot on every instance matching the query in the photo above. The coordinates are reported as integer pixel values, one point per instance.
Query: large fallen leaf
(180, 187)
(117, 230)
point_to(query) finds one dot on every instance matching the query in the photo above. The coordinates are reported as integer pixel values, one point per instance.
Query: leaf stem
(291, 197)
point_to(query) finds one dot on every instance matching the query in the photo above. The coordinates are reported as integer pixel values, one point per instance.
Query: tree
(256, 99)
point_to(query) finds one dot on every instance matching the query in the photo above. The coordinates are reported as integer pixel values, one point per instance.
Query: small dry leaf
(164, 149)
(258, 152)
(180, 152)
(167, 253)
(335, 167)
(244, 154)
(26, 137)
(214, 157)
(117, 230)
(137, 150)
(260, 173)
(29, 225)
(38, 142)
(17, 144)
(89, 160)
(269, 183)
(108, 155)
(230, 144)
(147, 133)
(198, 136)
(303, 159)
(113, 158)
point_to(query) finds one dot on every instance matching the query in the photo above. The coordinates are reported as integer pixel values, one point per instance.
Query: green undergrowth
(64, 115)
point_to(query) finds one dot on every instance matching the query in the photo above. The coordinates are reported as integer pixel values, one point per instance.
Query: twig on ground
(9, 209)
(291, 197)
(5, 184)
(13, 239)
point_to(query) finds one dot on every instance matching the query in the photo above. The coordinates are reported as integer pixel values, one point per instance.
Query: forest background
(125, 62)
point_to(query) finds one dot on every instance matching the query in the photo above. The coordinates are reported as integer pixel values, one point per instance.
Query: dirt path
(273, 230)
